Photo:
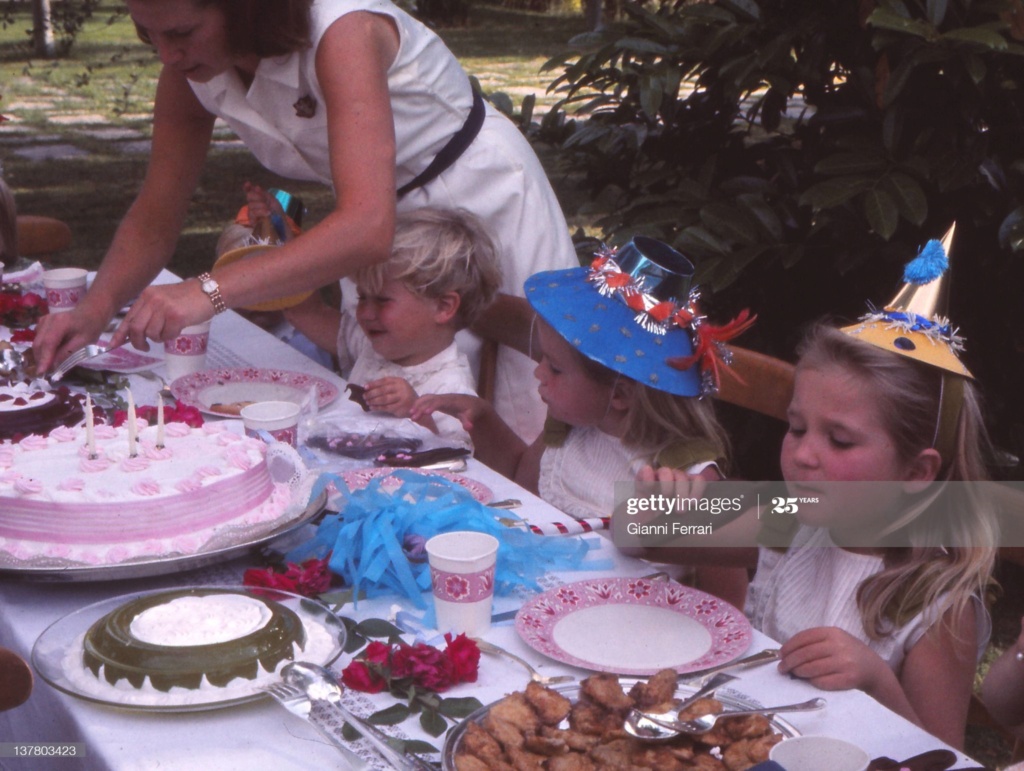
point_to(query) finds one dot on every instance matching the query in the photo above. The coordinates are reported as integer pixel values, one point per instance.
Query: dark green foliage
(801, 151)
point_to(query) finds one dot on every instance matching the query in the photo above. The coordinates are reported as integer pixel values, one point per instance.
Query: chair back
(40, 236)
(757, 382)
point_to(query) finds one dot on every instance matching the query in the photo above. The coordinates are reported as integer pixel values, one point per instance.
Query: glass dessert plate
(58, 655)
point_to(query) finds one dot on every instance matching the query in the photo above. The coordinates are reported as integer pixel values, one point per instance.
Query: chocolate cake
(34, 407)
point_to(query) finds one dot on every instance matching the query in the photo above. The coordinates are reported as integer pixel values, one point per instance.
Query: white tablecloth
(261, 735)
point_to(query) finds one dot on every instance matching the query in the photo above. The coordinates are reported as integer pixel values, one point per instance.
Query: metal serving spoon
(650, 728)
(704, 723)
(320, 685)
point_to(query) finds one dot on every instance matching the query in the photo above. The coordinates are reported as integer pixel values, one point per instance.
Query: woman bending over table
(352, 93)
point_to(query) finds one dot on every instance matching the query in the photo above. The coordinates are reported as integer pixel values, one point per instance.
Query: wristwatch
(211, 289)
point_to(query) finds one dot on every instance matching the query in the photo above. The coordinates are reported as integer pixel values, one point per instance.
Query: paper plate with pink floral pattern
(633, 626)
(360, 478)
(225, 391)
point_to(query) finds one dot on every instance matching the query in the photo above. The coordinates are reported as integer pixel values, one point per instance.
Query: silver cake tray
(159, 566)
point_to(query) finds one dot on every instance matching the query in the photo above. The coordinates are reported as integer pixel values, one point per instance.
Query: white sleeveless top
(498, 177)
(814, 583)
(580, 475)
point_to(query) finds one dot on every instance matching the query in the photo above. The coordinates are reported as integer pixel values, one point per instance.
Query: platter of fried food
(580, 728)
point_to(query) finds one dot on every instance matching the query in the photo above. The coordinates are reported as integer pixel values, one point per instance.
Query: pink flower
(427, 666)
(311, 578)
(268, 579)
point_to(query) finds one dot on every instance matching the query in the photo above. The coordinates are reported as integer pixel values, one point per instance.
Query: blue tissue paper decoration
(928, 265)
(376, 538)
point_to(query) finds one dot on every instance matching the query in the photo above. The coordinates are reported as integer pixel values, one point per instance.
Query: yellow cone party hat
(914, 323)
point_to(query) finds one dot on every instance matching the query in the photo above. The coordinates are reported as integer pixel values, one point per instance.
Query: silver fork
(296, 701)
(536, 676)
(74, 359)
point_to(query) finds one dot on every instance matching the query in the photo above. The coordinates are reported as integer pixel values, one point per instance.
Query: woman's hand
(833, 660)
(161, 312)
(393, 395)
(58, 334)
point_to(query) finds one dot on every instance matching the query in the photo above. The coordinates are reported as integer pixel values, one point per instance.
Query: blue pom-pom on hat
(929, 264)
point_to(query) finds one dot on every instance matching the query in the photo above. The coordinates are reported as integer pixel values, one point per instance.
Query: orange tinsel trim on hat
(707, 341)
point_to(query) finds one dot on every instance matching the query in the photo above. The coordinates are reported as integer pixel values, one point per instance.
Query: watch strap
(213, 293)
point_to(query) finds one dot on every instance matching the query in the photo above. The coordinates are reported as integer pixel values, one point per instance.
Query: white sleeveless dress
(498, 178)
(814, 583)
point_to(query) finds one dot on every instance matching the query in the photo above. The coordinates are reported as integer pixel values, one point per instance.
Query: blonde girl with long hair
(885, 400)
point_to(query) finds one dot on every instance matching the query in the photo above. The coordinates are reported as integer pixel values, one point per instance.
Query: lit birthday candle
(159, 421)
(132, 428)
(90, 431)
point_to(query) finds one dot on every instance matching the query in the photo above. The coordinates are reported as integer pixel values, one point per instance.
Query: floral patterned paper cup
(462, 576)
(186, 353)
(65, 288)
(279, 419)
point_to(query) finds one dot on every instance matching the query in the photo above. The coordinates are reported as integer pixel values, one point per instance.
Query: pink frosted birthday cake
(65, 505)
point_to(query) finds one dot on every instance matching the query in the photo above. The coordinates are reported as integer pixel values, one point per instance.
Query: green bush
(801, 151)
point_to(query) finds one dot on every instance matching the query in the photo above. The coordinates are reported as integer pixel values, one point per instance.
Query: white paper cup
(814, 753)
(462, 576)
(279, 419)
(65, 288)
(186, 353)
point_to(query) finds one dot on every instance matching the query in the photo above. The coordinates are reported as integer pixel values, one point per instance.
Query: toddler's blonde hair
(436, 251)
(907, 394)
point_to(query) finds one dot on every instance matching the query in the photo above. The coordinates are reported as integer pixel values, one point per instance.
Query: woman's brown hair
(261, 27)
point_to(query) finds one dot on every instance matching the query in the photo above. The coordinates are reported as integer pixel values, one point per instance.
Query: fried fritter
(571, 762)
(507, 734)
(590, 718)
(705, 706)
(516, 710)
(526, 761)
(746, 726)
(606, 690)
(660, 689)
(467, 762)
(481, 745)
(658, 759)
(616, 754)
(545, 745)
(577, 741)
(551, 707)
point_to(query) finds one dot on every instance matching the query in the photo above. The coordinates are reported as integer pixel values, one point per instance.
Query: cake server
(321, 686)
(295, 700)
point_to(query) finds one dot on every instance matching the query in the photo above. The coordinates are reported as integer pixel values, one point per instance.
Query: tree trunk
(42, 29)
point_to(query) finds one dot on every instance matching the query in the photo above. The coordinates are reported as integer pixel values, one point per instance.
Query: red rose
(377, 653)
(360, 677)
(268, 579)
(311, 578)
(465, 657)
(184, 413)
(23, 335)
(428, 667)
(120, 416)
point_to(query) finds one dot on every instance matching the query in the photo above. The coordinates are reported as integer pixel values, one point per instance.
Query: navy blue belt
(455, 147)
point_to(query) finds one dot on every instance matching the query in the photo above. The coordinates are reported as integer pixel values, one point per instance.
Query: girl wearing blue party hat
(884, 400)
(625, 358)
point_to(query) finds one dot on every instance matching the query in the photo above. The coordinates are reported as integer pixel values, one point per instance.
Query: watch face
(210, 286)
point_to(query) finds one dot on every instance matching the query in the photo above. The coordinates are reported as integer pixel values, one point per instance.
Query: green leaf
(418, 747)
(983, 36)
(849, 163)
(936, 10)
(729, 223)
(433, 723)
(764, 214)
(393, 715)
(975, 67)
(460, 707)
(1011, 230)
(350, 733)
(377, 627)
(883, 18)
(881, 212)
(834, 192)
(910, 199)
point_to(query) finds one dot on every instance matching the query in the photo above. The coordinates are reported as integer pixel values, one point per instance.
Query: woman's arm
(145, 239)
(352, 62)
